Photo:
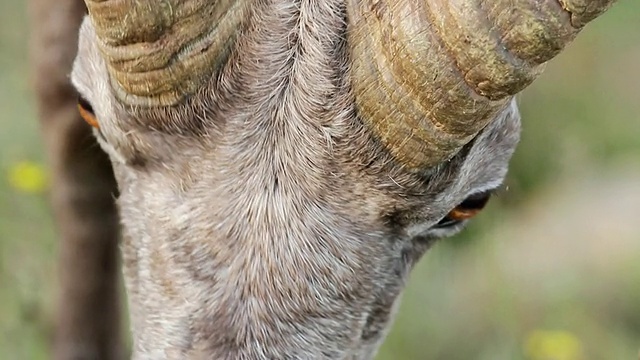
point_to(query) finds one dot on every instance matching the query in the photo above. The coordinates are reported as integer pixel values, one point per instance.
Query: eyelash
(86, 112)
(467, 209)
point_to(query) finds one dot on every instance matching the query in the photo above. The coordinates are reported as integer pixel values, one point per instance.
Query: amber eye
(467, 209)
(86, 112)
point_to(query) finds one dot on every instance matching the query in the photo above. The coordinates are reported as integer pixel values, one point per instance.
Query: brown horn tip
(429, 75)
(159, 52)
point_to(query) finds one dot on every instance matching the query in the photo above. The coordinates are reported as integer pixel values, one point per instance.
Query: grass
(552, 264)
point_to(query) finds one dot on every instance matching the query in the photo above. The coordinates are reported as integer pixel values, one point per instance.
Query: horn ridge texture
(159, 52)
(428, 75)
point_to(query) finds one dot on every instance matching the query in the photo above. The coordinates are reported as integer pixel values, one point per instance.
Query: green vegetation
(548, 271)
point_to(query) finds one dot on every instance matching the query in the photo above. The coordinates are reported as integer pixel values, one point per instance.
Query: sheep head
(283, 164)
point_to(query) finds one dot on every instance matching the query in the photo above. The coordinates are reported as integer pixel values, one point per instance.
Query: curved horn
(160, 51)
(428, 75)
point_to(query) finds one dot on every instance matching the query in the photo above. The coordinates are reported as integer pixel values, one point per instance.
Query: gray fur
(261, 220)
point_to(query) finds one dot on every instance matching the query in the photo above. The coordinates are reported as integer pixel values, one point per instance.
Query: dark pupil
(475, 202)
(85, 104)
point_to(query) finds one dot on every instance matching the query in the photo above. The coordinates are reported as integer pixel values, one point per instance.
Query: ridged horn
(428, 75)
(160, 51)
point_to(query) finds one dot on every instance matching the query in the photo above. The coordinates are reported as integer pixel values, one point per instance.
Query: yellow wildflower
(27, 176)
(553, 345)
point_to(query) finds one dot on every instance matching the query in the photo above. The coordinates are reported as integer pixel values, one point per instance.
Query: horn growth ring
(160, 52)
(428, 75)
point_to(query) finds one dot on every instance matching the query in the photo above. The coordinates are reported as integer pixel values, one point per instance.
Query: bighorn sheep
(282, 164)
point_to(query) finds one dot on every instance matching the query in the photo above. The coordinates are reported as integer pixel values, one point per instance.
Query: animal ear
(159, 52)
(428, 75)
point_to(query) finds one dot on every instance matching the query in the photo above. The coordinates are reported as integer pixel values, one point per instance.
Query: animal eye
(467, 209)
(86, 112)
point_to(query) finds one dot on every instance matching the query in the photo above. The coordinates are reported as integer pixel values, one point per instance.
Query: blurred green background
(551, 270)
